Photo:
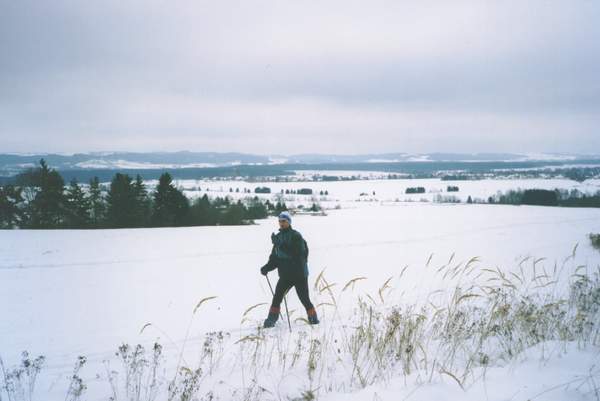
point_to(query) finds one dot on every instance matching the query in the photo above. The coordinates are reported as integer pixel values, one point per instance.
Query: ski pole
(284, 301)
(272, 292)
(287, 312)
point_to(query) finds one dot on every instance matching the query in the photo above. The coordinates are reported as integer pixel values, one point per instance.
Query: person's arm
(271, 263)
(297, 248)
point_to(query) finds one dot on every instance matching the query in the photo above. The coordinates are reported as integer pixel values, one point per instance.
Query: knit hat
(285, 216)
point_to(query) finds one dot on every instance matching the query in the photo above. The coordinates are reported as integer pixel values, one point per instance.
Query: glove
(264, 271)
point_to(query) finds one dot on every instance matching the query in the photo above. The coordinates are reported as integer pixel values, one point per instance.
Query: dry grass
(484, 317)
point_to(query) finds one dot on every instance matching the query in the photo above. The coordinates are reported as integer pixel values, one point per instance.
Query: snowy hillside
(376, 268)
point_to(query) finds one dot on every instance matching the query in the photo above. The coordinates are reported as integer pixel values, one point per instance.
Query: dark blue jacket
(289, 254)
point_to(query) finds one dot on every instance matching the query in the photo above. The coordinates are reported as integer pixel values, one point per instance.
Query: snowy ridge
(173, 160)
(124, 164)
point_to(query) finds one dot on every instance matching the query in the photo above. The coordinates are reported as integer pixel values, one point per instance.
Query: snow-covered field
(346, 193)
(69, 293)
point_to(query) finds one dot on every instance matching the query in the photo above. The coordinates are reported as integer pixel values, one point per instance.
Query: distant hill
(577, 169)
(11, 164)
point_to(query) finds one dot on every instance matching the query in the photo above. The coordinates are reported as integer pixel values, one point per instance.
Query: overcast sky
(300, 76)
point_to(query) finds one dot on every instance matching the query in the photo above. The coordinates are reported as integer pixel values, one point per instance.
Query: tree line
(544, 197)
(39, 199)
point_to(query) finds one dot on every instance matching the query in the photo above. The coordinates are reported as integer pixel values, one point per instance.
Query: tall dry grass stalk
(482, 316)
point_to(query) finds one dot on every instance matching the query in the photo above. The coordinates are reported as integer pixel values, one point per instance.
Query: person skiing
(289, 256)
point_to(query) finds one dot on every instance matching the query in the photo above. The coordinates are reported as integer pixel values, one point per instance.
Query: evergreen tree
(540, 197)
(203, 213)
(11, 202)
(170, 207)
(97, 203)
(46, 209)
(122, 202)
(234, 214)
(77, 214)
(143, 208)
(280, 207)
(222, 203)
(257, 210)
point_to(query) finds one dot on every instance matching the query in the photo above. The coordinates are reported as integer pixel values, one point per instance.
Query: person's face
(283, 224)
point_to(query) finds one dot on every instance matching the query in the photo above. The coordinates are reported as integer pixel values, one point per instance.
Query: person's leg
(281, 288)
(302, 290)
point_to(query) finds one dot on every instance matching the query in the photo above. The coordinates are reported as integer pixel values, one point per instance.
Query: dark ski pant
(284, 285)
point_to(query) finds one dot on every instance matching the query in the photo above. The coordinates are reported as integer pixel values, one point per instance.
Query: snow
(366, 174)
(548, 157)
(347, 193)
(126, 164)
(69, 293)
(562, 376)
(551, 167)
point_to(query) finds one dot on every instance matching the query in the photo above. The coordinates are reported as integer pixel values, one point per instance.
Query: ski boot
(312, 316)
(271, 318)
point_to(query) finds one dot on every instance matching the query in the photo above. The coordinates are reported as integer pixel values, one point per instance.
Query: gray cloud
(277, 77)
